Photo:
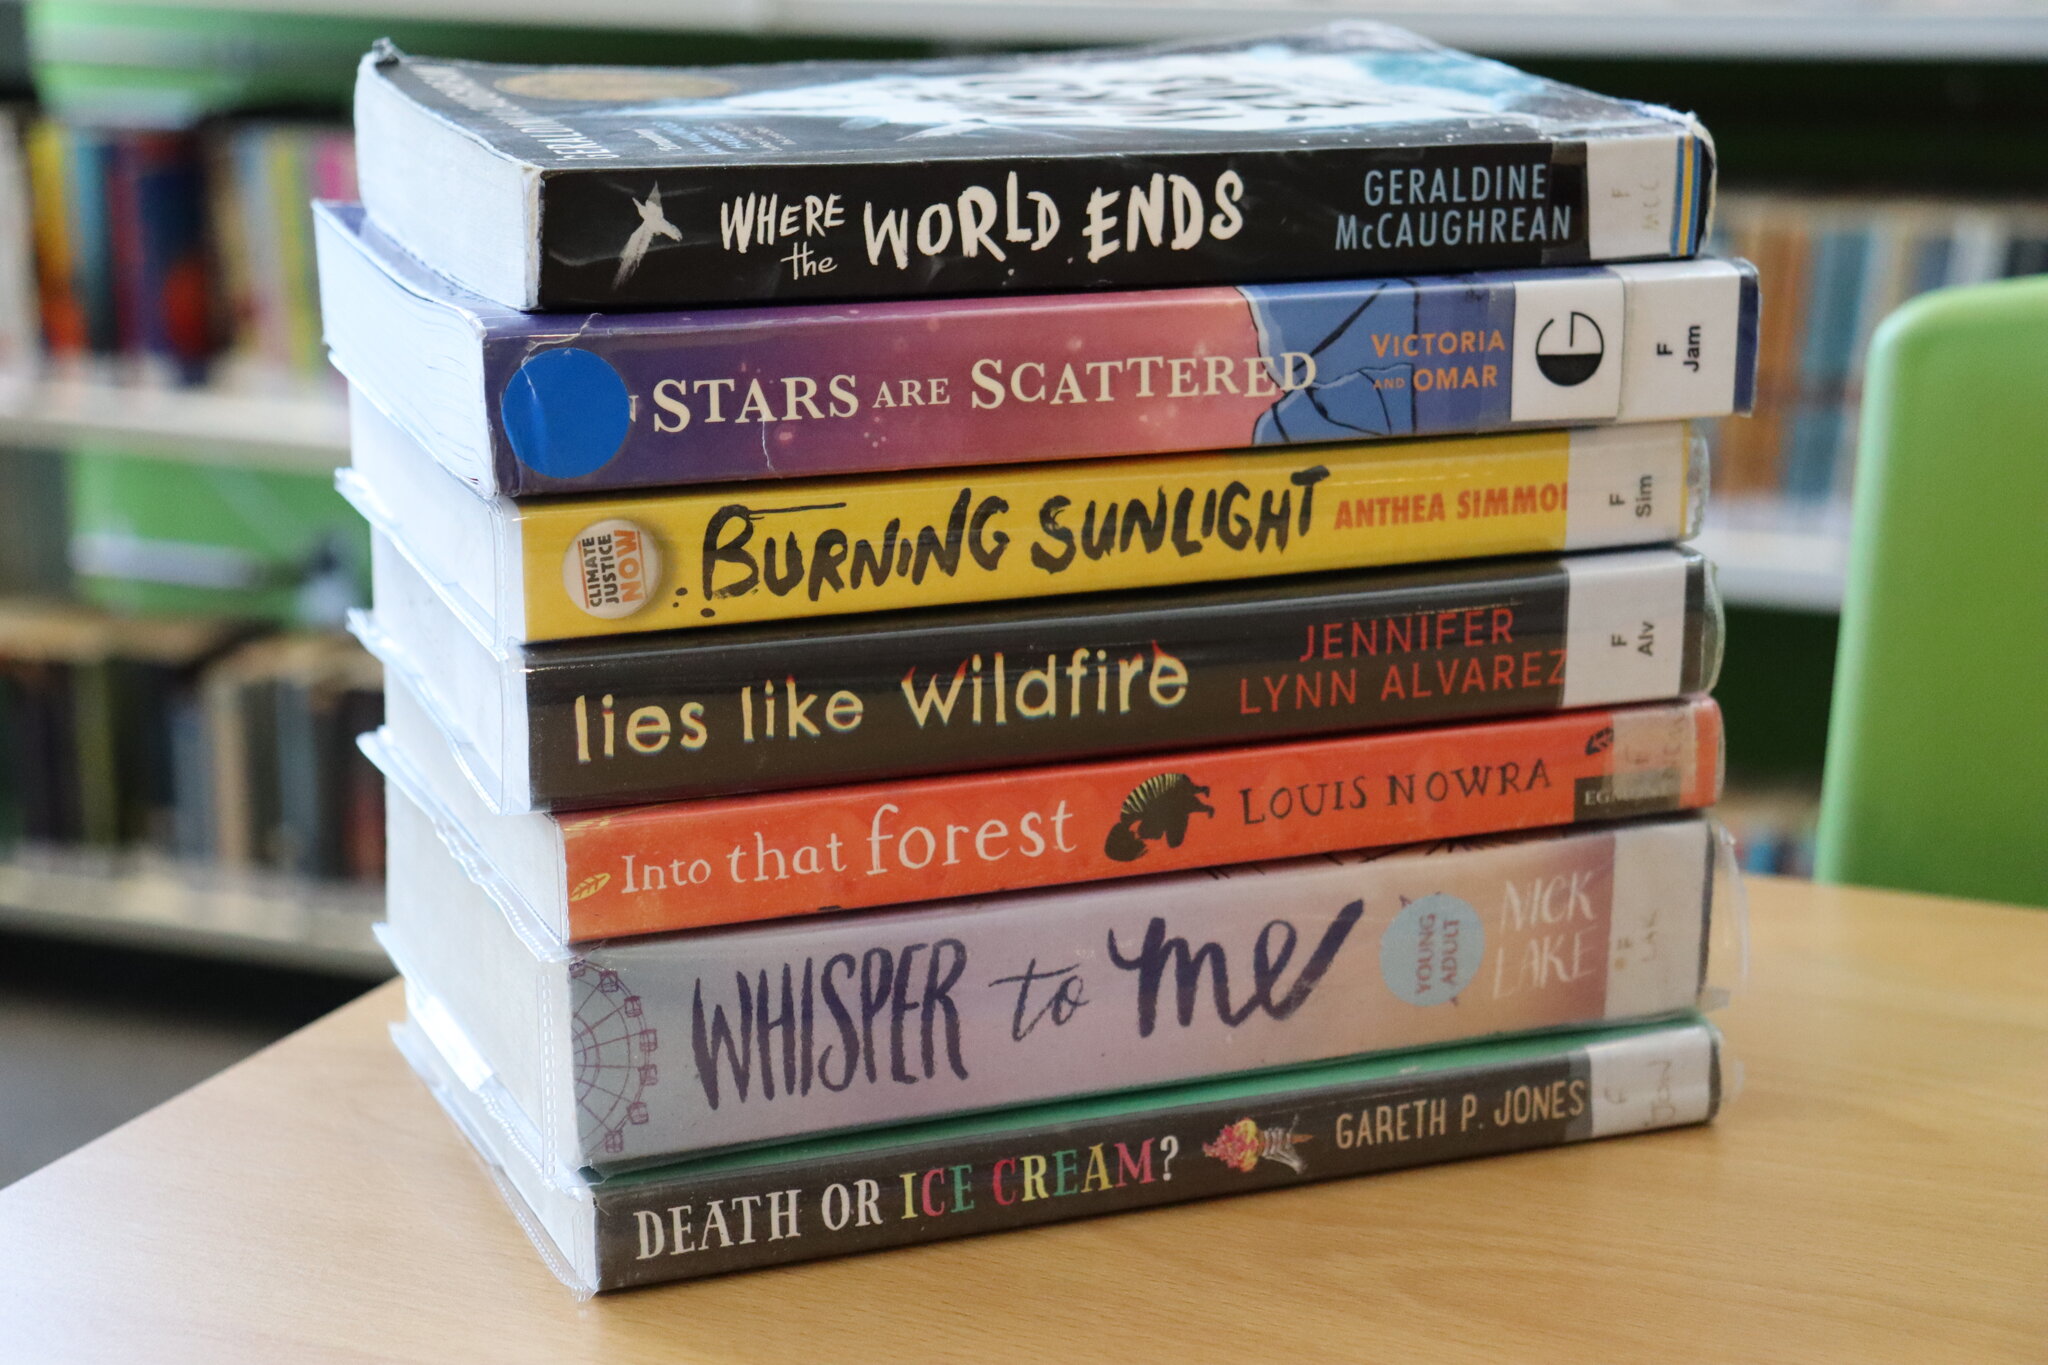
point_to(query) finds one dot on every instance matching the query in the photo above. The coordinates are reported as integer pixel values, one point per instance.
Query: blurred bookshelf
(1782, 569)
(179, 466)
(301, 432)
(151, 902)
(176, 705)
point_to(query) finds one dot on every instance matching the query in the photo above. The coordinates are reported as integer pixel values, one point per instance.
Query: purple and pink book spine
(631, 1052)
(555, 403)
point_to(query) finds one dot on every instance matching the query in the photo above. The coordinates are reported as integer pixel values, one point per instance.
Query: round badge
(566, 412)
(1431, 951)
(612, 568)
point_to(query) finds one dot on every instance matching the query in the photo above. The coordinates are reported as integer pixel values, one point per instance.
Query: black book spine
(43, 761)
(936, 692)
(65, 789)
(933, 1190)
(895, 228)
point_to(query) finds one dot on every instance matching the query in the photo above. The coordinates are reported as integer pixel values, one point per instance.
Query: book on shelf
(179, 257)
(182, 737)
(20, 327)
(87, 701)
(1837, 265)
(289, 790)
(125, 274)
(262, 175)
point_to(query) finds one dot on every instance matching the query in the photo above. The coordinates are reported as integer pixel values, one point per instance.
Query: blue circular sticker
(566, 412)
(1431, 951)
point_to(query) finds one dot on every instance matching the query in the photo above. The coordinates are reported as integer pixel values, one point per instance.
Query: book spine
(14, 731)
(822, 547)
(191, 774)
(59, 302)
(173, 287)
(44, 750)
(851, 848)
(18, 325)
(1026, 1174)
(308, 814)
(742, 233)
(689, 717)
(361, 799)
(231, 790)
(70, 790)
(95, 720)
(812, 391)
(292, 222)
(788, 1028)
(267, 773)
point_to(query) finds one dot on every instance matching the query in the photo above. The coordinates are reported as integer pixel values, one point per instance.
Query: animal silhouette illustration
(652, 222)
(1159, 807)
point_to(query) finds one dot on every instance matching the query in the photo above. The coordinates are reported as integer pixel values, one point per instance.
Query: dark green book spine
(1061, 1162)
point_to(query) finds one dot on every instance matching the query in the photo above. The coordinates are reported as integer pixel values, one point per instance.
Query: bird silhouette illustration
(653, 223)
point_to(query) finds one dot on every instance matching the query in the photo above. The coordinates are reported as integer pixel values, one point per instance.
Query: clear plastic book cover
(459, 931)
(1346, 84)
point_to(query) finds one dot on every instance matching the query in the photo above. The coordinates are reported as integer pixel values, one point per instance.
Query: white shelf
(1832, 28)
(158, 903)
(1795, 570)
(1914, 29)
(306, 433)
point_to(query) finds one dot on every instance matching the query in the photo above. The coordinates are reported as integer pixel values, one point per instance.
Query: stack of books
(969, 645)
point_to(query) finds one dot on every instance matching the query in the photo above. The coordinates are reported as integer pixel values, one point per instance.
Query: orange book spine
(649, 869)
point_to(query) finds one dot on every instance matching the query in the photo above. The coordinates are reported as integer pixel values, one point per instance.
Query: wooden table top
(1877, 1191)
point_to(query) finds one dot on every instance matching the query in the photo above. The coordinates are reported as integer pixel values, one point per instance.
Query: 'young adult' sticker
(1431, 950)
(611, 568)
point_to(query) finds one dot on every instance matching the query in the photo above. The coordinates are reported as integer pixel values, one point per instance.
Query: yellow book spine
(63, 322)
(775, 551)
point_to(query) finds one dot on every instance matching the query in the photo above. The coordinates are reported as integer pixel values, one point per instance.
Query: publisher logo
(1569, 349)
(1564, 326)
(611, 568)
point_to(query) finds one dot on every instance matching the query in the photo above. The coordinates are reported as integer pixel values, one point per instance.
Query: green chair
(1937, 760)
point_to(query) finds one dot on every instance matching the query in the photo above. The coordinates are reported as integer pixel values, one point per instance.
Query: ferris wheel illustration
(613, 1055)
